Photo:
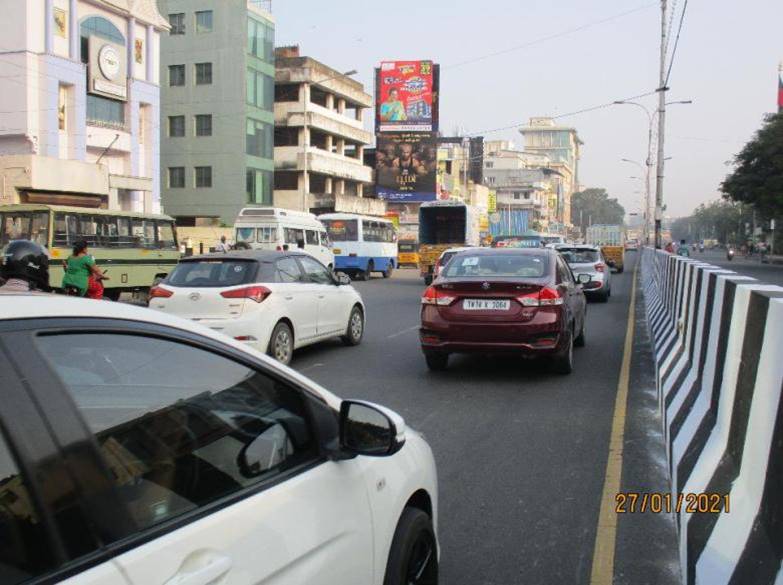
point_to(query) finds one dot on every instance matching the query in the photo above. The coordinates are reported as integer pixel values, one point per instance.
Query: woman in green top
(78, 269)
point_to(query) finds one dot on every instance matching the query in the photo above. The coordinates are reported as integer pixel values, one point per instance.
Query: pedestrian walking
(222, 245)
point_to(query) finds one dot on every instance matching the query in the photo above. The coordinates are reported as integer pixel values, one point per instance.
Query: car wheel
(413, 557)
(355, 329)
(436, 361)
(389, 269)
(428, 280)
(113, 294)
(620, 270)
(281, 344)
(604, 297)
(581, 339)
(563, 363)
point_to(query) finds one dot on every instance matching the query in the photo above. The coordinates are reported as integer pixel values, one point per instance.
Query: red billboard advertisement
(407, 96)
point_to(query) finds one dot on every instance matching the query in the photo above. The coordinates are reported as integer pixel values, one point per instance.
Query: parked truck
(442, 225)
(611, 239)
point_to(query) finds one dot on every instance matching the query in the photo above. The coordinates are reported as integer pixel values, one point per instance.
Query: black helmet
(26, 260)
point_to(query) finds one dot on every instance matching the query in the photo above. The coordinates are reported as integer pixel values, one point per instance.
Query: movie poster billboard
(406, 166)
(407, 97)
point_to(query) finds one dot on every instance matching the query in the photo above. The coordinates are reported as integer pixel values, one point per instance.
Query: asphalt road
(768, 273)
(521, 452)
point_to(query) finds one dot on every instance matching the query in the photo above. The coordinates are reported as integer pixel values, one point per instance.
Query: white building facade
(80, 105)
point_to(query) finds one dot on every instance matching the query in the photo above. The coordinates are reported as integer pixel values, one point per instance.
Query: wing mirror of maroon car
(611, 263)
(584, 278)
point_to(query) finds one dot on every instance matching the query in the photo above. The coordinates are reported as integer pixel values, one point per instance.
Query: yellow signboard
(492, 206)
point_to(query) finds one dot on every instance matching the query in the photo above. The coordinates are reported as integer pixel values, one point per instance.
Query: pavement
(767, 273)
(521, 453)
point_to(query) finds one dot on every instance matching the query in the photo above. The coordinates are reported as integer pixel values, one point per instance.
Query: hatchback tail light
(432, 296)
(157, 292)
(254, 293)
(546, 297)
(600, 267)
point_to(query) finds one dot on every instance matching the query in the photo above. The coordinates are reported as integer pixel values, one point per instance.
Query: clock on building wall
(107, 69)
(109, 62)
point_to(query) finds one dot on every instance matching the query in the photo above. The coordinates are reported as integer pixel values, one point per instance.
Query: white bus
(361, 244)
(270, 228)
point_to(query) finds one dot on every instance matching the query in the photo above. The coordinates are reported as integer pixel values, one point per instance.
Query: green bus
(137, 249)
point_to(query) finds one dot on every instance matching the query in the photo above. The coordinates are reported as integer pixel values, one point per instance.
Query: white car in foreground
(274, 301)
(144, 449)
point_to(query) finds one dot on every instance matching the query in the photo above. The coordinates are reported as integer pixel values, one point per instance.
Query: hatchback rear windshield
(213, 273)
(577, 256)
(506, 265)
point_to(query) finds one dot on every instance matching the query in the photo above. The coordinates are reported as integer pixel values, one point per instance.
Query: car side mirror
(610, 263)
(584, 278)
(369, 429)
(341, 279)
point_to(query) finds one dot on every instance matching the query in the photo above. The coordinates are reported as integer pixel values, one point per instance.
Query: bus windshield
(342, 230)
(24, 225)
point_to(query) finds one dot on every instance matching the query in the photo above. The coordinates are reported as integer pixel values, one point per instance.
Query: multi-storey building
(561, 145)
(217, 121)
(320, 138)
(80, 106)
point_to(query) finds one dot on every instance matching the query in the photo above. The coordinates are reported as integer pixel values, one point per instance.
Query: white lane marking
(311, 367)
(403, 332)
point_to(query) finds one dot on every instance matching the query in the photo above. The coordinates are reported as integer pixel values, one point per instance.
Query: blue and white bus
(361, 244)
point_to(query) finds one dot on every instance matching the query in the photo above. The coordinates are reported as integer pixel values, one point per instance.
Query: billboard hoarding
(406, 96)
(406, 167)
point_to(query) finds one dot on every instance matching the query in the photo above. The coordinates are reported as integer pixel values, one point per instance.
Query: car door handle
(195, 572)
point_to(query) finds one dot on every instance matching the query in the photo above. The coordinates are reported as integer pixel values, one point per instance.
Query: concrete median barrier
(718, 348)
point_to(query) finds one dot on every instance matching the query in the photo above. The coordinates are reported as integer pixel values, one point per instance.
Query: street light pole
(648, 164)
(306, 137)
(661, 131)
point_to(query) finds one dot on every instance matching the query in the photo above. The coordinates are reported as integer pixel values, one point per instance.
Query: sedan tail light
(254, 293)
(546, 297)
(432, 296)
(600, 267)
(157, 292)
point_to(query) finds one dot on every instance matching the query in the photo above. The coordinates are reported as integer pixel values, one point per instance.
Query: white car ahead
(274, 301)
(139, 448)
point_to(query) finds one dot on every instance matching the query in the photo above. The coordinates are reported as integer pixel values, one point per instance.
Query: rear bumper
(540, 337)
(255, 330)
(362, 262)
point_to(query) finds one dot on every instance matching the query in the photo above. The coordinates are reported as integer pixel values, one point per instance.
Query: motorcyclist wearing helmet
(25, 267)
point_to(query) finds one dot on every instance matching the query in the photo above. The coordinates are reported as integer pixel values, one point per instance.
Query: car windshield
(502, 265)
(214, 273)
(579, 255)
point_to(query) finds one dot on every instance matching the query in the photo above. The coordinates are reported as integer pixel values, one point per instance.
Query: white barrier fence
(718, 349)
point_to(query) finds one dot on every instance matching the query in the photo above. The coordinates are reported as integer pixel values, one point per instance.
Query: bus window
(325, 239)
(246, 234)
(124, 238)
(267, 235)
(60, 230)
(342, 230)
(293, 235)
(88, 230)
(107, 231)
(166, 238)
(24, 226)
(143, 232)
(311, 237)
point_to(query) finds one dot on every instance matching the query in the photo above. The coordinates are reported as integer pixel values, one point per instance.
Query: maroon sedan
(499, 300)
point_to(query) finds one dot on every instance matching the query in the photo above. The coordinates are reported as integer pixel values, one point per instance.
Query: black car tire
(281, 335)
(563, 363)
(581, 339)
(620, 270)
(428, 280)
(437, 361)
(113, 294)
(604, 296)
(354, 331)
(413, 557)
(389, 269)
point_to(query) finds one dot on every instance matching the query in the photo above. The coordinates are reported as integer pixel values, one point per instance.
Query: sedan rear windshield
(215, 273)
(577, 256)
(504, 265)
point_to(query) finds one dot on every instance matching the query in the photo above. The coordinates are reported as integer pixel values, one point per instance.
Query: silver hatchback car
(585, 259)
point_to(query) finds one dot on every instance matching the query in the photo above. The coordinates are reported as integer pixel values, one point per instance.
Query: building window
(105, 112)
(260, 139)
(259, 186)
(287, 92)
(203, 177)
(62, 113)
(260, 40)
(489, 164)
(203, 73)
(286, 136)
(204, 125)
(176, 75)
(176, 126)
(204, 21)
(176, 177)
(260, 90)
(177, 23)
(287, 180)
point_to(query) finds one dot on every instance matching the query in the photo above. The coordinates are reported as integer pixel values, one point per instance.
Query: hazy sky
(726, 63)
